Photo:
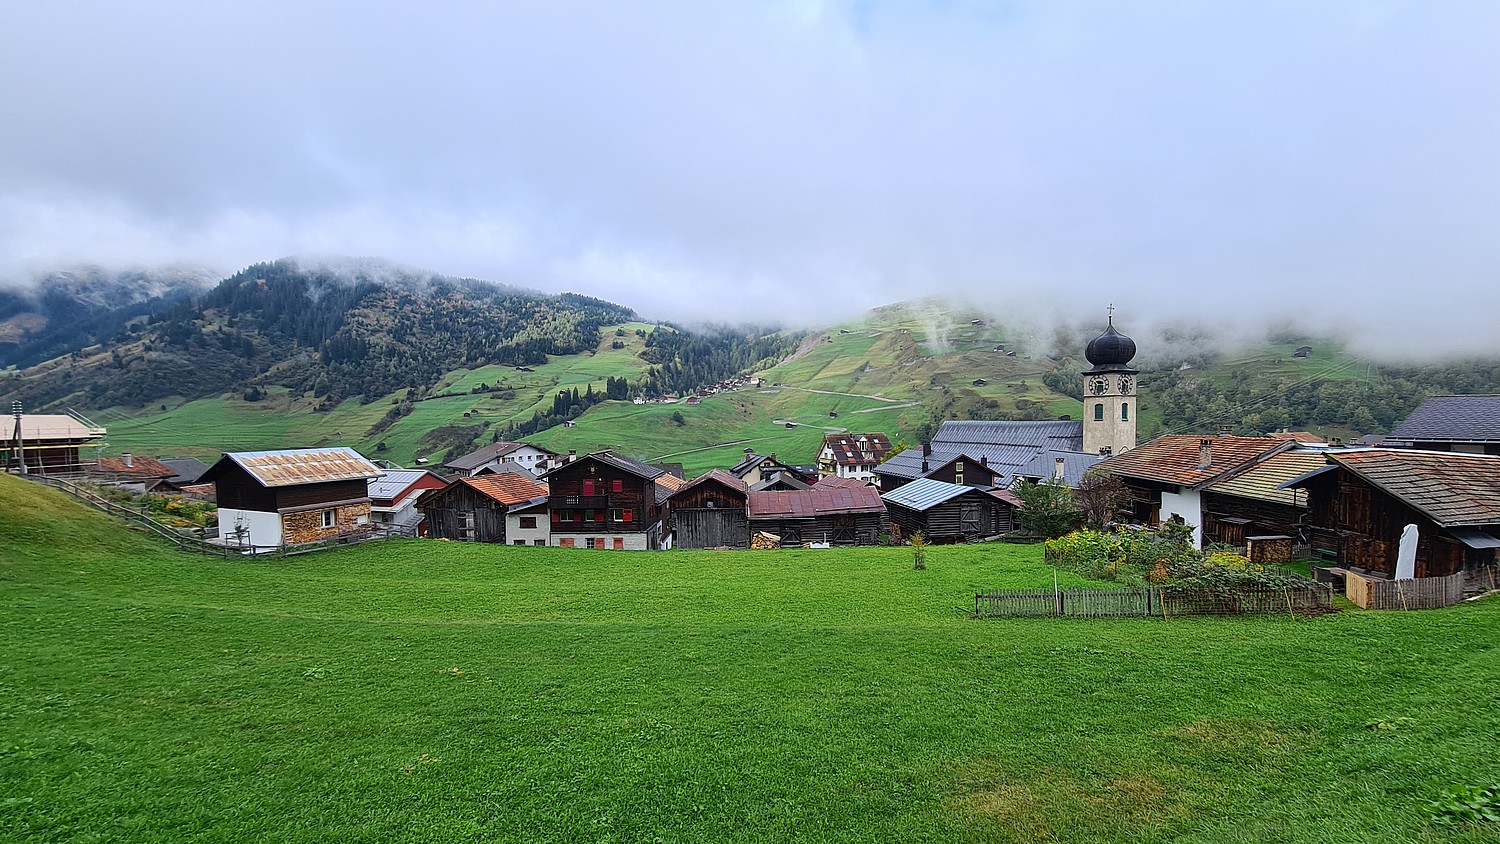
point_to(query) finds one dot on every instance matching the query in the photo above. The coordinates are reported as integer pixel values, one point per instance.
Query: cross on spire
(1111, 314)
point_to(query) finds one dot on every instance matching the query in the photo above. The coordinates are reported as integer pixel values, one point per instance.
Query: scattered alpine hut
(947, 513)
(478, 509)
(711, 511)
(605, 501)
(272, 498)
(837, 511)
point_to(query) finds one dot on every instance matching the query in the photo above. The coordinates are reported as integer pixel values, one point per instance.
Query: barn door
(970, 518)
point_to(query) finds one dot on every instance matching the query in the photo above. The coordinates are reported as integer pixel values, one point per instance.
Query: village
(1420, 503)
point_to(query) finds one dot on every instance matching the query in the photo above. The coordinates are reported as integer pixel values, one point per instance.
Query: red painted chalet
(605, 501)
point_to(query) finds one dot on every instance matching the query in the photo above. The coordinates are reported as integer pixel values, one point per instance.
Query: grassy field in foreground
(443, 692)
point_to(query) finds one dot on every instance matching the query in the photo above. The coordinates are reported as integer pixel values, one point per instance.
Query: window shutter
(588, 487)
(599, 515)
(556, 516)
(628, 516)
(619, 543)
(617, 485)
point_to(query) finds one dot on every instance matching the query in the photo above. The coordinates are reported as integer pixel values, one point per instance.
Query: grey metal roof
(188, 469)
(908, 464)
(1474, 538)
(634, 467)
(1075, 464)
(959, 435)
(924, 493)
(393, 482)
(1452, 418)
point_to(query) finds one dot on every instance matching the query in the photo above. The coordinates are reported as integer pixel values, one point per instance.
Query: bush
(1160, 556)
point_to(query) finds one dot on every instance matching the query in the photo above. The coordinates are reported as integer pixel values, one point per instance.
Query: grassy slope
(902, 353)
(445, 692)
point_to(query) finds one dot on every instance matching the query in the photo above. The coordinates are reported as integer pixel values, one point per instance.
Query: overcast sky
(1339, 161)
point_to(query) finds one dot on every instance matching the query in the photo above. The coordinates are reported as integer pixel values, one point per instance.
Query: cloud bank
(796, 160)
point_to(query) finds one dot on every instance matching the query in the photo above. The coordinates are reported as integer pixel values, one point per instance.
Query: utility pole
(15, 409)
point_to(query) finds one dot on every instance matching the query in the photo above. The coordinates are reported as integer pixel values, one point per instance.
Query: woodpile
(765, 541)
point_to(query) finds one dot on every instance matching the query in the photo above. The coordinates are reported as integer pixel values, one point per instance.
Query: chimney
(984, 460)
(572, 455)
(1205, 453)
(1226, 430)
(926, 449)
(925, 467)
(773, 457)
(749, 451)
(1057, 468)
(1106, 450)
(129, 461)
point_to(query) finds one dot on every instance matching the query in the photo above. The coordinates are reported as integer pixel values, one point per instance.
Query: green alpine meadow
(405, 692)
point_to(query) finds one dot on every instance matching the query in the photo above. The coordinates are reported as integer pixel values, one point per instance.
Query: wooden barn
(605, 501)
(1362, 500)
(475, 509)
(1253, 503)
(271, 498)
(947, 513)
(838, 511)
(711, 511)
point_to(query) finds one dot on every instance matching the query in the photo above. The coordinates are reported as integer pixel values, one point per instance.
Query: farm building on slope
(46, 443)
(394, 497)
(271, 498)
(605, 501)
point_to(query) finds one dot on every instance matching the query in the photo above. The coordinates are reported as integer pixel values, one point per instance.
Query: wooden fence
(1151, 602)
(195, 539)
(1421, 593)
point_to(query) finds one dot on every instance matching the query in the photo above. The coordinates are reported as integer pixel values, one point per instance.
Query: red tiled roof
(857, 449)
(1297, 436)
(144, 467)
(1175, 459)
(831, 495)
(506, 487)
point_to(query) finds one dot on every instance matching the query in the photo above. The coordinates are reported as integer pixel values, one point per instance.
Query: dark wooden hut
(946, 513)
(711, 511)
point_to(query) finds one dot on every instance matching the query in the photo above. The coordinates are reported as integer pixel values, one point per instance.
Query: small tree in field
(919, 551)
(1047, 508)
(1100, 496)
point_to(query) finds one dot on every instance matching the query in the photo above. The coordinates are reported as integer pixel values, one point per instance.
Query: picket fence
(1151, 602)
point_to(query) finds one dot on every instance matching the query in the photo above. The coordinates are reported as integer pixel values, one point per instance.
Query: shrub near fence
(1151, 602)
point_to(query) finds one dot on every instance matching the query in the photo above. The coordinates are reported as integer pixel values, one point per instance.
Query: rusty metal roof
(1176, 459)
(830, 496)
(1263, 482)
(1452, 489)
(142, 467)
(295, 466)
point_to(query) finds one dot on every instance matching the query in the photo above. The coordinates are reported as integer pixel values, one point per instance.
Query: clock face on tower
(1100, 386)
(1125, 383)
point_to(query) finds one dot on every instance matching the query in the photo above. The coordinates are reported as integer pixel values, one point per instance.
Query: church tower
(1109, 397)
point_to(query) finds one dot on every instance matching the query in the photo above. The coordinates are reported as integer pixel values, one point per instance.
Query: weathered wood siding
(965, 518)
(1367, 524)
(710, 527)
(236, 489)
(462, 514)
(308, 495)
(838, 529)
(587, 487)
(1265, 517)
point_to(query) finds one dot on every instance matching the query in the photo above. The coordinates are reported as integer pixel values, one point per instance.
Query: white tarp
(1406, 554)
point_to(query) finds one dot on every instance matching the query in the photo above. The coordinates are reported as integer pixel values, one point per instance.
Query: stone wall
(307, 526)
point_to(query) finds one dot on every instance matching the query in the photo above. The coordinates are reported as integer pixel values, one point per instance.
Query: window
(591, 542)
(958, 473)
(1098, 413)
(617, 515)
(330, 518)
(528, 522)
(619, 543)
(616, 485)
(588, 515)
(518, 542)
(1125, 412)
(538, 542)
